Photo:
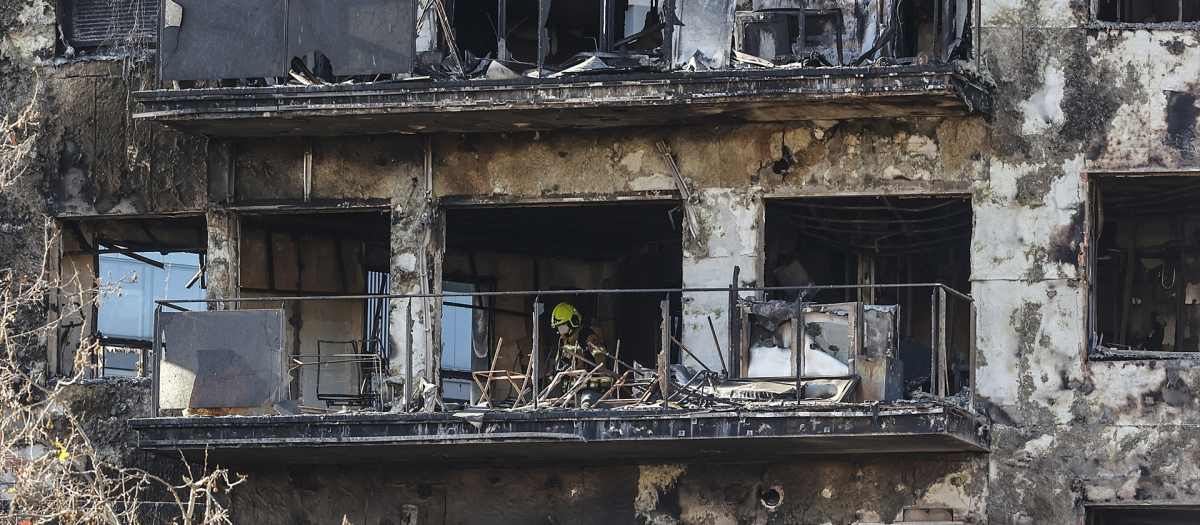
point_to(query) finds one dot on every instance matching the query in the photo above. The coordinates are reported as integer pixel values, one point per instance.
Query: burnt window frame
(141, 347)
(610, 26)
(588, 304)
(1099, 514)
(348, 230)
(483, 330)
(1097, 352)
(87, 238)
(1097, 9)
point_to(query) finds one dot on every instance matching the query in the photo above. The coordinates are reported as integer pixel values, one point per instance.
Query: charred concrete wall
(1073, 99)
(845, 489)
(731, 169)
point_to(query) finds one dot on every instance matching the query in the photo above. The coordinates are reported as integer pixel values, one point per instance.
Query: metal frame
(362, 356)
(173, 303)
(605, 40)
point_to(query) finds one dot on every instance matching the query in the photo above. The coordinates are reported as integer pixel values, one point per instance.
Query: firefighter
(581, 340)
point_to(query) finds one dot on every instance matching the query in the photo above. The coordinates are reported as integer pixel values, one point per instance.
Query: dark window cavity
(1148, 11)
(873, 242)
(1143, 515)
(504, 249)
(517, 34)
(1146, 264)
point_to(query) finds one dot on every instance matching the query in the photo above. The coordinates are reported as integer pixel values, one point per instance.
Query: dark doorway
(881, 240)
(571, 247)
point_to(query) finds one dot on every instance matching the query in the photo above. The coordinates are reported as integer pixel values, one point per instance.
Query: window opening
(823, 34)
(475, 27)
(1143, 515)
(520, 32)
(485, 31)
(922, 29)
(576, 38)
(1148, 12)
(642, 25)
(335, 348)
(1146, 283)
(458, 329)
(112, 271)
(379, 283)
(129, 285)
(912, 32)
(776, 36)
(573, 28)
(863, 241)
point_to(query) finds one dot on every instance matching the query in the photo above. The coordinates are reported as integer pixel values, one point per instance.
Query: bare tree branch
(50, 470)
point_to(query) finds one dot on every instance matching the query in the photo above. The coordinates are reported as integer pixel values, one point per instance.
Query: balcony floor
(506, 436)
(677, 98)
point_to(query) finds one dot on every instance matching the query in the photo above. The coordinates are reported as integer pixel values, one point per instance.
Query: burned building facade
(849, 261)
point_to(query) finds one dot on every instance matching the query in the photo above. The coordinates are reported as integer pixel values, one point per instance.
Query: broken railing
(781, 346)
(786, 34)
(228, 43)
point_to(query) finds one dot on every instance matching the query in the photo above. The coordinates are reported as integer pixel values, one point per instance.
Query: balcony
(238, 386)
(601, 102)
(432, 72)
(578, 434)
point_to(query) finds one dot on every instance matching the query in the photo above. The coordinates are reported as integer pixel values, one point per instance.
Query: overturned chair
(519, 381)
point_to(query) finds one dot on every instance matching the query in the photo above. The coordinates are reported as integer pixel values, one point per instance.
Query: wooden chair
(581, 375)
(629, 382)
(518, 380)
(584, 376)
(559, 379)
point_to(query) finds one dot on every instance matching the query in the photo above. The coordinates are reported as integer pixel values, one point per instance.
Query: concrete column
(223, 256)
(730, 235)
(416, 267)
(1032, 307)
(75, 300)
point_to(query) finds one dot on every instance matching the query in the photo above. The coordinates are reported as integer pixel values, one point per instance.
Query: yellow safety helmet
(565, 313)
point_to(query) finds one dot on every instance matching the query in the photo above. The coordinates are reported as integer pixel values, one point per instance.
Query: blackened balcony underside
(515, 437)
(712, 97)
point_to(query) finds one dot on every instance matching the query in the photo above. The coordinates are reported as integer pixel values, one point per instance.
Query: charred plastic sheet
(360, 37)
(227, 39)
(221, 359)
(710, 24)
(580, 435)
(204, 39)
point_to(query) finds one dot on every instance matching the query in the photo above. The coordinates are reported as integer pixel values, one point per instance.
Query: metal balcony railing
(210, 361)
